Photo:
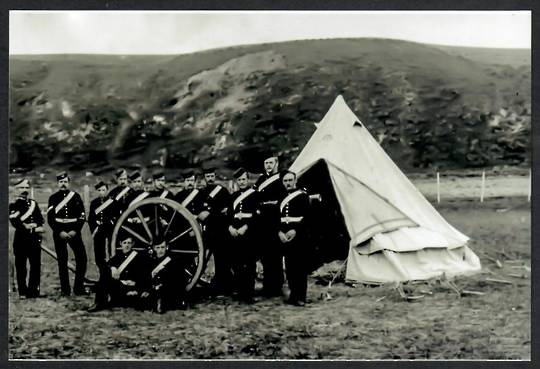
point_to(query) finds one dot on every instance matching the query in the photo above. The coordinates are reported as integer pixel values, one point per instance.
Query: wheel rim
(164, 219)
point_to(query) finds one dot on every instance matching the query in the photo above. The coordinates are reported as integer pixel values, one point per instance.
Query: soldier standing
(26, 218)
(294, 208)
(119, 194)
(122, 279)
(159, 187)
(101, 221)
(66, 217)
(242, 211)
(137, 192)
(214, 216)
(190, 197)
(270, 191)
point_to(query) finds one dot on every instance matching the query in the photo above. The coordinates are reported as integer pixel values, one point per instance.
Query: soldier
(159, 187)
(66, 217)
(149, 185)
(120, 193)
(123, 278)
(294, 208)
(164, 280)
(270, 191)
(137, 192)
(242, 212)
(26, 218)
(214, 216)
(101, 222)
(190, 197)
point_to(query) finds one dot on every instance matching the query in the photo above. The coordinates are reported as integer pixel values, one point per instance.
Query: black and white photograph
(269, 185)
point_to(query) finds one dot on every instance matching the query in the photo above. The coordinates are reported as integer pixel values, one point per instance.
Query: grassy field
(357, 323)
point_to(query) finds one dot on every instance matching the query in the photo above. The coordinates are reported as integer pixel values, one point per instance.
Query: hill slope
(427, 106)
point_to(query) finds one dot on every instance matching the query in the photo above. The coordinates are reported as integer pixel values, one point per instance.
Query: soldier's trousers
(222, 281)
(79, 252)
(297, 272)
(271, 259)
(27, 249)
(101, 242)
(244, 266)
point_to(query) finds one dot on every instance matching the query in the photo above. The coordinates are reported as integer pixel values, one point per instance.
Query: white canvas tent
(395, 234)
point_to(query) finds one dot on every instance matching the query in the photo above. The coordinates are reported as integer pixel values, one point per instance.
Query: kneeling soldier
(25, 216)
(121, 283)
(165, 281)
(293, 234)
(242, 211)
(66, 218)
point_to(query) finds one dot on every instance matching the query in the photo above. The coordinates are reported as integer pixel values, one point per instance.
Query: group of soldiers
(265, 222)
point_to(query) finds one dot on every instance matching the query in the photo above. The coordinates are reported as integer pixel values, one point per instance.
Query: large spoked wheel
(156, 220)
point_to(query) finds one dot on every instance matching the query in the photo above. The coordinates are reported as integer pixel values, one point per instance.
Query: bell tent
(373, 214)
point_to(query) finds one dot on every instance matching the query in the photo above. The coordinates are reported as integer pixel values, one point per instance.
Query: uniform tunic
(101, 221)
(120, 195)
(68, 216)
(163, 193)
(294, 209)
(191, 199)
(133, 265)
(270, 190)
(26, 244)
(243, 210)
(216, 199)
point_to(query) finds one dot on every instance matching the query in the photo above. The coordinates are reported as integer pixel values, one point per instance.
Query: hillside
(428, 106)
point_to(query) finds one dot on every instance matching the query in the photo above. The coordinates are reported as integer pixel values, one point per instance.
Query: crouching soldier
(293, 234)
(121, 284)
(165, 281)
(26, 218)
(242, 211)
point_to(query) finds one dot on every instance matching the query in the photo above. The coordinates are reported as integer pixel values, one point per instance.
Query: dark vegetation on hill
(428, 106)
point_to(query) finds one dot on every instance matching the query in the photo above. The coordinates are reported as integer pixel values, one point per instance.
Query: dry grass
(358, 323)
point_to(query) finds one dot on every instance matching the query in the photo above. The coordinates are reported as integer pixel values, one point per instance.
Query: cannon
(157, 219)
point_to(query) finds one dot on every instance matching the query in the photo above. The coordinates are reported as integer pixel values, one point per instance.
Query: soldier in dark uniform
(66, 217)
(26, 218)
(159, 187)
(137, 192)
(149, 185)
(214, 217)
(122, 282)
(164, 286)
(294, 208)
(101, 221)
(242, 212)
(270, 191)
(190, 197)
(120, 193)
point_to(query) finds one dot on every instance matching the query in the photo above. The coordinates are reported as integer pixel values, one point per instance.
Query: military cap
(133, 176)
(283, 173)
(158, 175)
(61, 175)
(189, 174)
(120, 172)
(100, 184)
(125, 236)
(267, 154)
(239, 172)
(209, 170)
(21, 183)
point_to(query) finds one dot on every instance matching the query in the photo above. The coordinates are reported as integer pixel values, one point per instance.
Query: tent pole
(482, 189)
(438, 189)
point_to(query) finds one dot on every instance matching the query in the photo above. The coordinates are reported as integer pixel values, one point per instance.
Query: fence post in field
(86, 197)
(32, 193)
(530, 186)
(438, 189)
(482, 189)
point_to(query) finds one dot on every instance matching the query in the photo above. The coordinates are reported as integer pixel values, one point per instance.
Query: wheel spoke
(156, 219)
(170, 222)
(138, 236)
(145, 225)
(180, 235)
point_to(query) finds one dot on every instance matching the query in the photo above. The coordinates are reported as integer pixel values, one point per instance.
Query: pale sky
(130, 32)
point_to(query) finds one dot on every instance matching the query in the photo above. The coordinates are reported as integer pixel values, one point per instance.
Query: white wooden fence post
(438, 189)
(86, 195)
(32, 193)
(482, 189)
(530, 186)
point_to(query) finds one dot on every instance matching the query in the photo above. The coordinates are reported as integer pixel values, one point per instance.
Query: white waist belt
(243, 215)
(291, 219)
(67, 220)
